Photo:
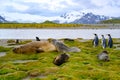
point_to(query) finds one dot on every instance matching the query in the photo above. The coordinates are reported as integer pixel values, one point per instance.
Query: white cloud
(35, 9)
(106, 7)
(100, 3)
(107, 11)
(20, 7)
(36, 1)
(29, 18)
(52, 5)
(105, 3)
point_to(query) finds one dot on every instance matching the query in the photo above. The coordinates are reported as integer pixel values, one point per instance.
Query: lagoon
(56, 33)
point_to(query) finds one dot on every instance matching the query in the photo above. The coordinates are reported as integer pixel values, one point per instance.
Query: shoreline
(67, 28)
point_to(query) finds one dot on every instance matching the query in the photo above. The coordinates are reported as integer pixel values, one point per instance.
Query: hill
(111, 21)
(2, 20)
(48, 22)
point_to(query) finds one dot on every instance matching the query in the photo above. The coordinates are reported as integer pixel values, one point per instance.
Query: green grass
(38, 25)
(12, 42)
(81, 66)
(48, 25)
(3, 49)
(116, 21)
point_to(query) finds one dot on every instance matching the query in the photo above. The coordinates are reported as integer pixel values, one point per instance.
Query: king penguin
(95, 40)
(110, 41)
(103, 41)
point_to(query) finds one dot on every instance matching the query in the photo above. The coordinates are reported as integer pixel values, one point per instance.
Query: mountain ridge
(3, 20)
(91, 18)
(70, 17)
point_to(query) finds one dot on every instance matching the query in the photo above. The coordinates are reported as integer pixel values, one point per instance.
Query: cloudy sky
(35, 9)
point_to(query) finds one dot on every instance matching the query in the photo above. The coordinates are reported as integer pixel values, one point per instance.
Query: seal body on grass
(103, 56)
(61, 47)
(60, 59)
(35, 47)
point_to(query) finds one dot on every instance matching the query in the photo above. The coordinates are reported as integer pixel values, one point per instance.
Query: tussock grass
(38, 25)
(81, 66)
(55, 25)
(3, 49)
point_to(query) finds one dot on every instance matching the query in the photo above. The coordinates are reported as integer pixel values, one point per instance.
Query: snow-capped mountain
(91, 18)
(2, 20)
(80, 17)
(72, 16)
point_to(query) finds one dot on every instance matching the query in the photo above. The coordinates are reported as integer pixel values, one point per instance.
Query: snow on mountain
(27, 18)
(91, 18)
(80, 17)
(71, 16)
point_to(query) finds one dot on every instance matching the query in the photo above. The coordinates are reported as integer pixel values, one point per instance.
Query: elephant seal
(61, 47)
(35, 47)
(103, 56)
(60, 59)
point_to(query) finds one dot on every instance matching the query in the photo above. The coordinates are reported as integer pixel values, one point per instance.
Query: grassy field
(114, 21)
(81, 66)
(55, 25)
(38, 25)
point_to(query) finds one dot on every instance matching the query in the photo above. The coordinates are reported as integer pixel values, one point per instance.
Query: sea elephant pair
(45, 46)
(62, 48)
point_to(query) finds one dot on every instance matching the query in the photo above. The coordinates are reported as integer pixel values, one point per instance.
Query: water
(56, 33)
(24, 61)
(2, 54)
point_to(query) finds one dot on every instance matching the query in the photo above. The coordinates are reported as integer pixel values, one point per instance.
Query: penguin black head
(102, 35)
(108, 34)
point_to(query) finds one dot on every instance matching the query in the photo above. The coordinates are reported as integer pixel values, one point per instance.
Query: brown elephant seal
(60, 59)
(103, 56)
(61, 47)
(35, 47)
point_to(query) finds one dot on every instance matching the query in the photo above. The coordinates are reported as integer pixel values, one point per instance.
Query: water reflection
(2, 54)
